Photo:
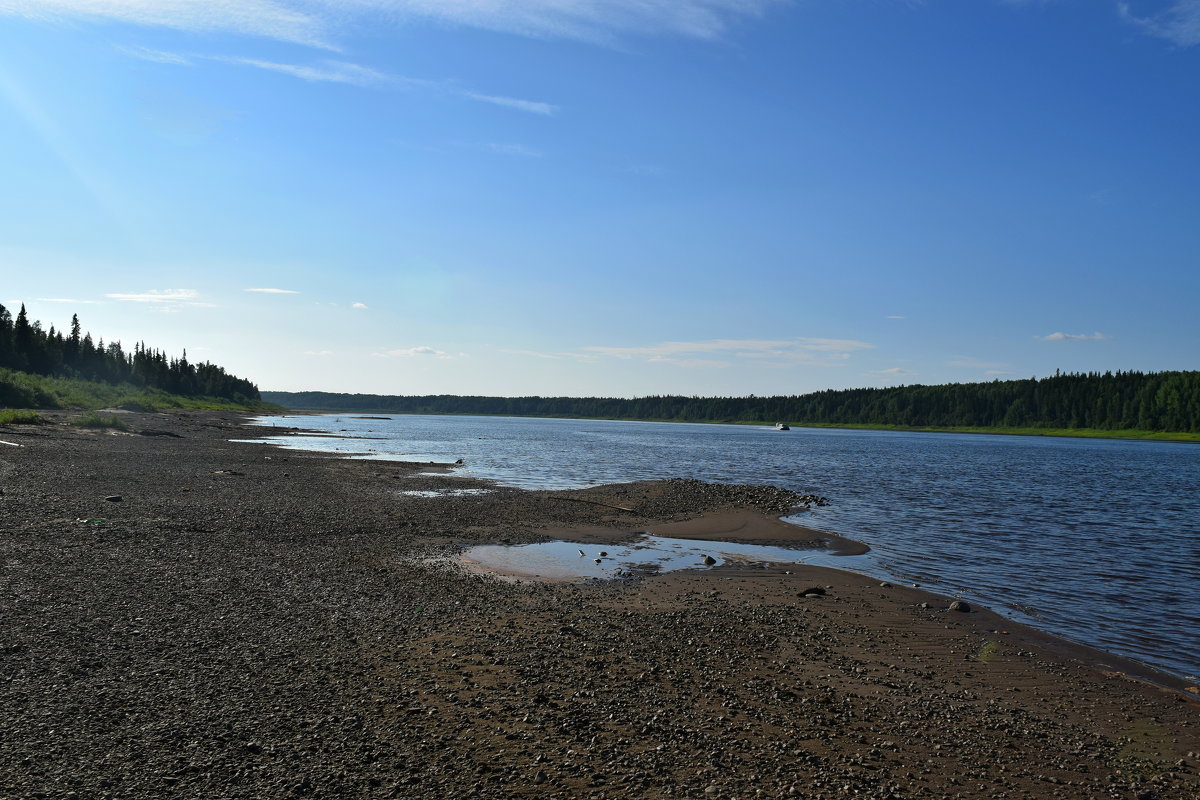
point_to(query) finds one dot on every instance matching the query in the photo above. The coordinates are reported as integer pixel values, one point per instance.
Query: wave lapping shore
(189, 617)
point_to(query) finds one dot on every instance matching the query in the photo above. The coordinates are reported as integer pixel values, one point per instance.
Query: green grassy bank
(22, 390)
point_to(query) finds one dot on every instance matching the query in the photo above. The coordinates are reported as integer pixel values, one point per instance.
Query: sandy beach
(247, 622)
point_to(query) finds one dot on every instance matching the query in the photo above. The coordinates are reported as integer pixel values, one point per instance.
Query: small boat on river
(779, 426)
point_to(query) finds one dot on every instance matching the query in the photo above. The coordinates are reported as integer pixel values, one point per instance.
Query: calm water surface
(1095, 540)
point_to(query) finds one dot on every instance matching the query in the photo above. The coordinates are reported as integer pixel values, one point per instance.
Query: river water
(1094, 540)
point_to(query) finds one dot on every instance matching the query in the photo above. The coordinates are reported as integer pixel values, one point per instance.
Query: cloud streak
(1178, 23)
(315, 22)
(156, 56)
(589, 20)
(811, 351)
(272, 291)
(345, 72)
(414, 352)
(163, 299)
(975, 363)
(327, 71)
(529, 106)
(292, 21)
(518, 150)
(157, 296)
(1059, 336)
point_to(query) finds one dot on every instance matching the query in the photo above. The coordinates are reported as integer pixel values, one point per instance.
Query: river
(1094, 540)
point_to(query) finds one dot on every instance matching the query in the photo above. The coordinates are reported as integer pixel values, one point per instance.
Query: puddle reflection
(648, 554)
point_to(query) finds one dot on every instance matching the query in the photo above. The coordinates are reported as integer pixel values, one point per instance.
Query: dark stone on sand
(813, 591)
(960, 605)
(709, 561)
(114, 498)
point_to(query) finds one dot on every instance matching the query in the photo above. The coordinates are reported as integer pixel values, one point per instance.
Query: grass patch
(11, 417)
(24, 390)
(95, 420)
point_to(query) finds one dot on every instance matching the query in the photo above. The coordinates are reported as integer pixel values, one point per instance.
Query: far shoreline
(1169, 437)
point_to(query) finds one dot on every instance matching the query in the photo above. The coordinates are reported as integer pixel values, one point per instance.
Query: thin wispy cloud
(283, 20)
(345, 72)
(1059, 336)
(644, 170)
(896, 316)
(591, 20)
(414, 352)
(518, 150)
(327, 71)
(359, 306)
(894, 372)
(156, 56)
(530, 106)
(1178, 23)
(70, 300)
(536, 354)
(317, 23)
(156, 296)
(163, 299)
(778, 351)
(272, 291)
(975, 363)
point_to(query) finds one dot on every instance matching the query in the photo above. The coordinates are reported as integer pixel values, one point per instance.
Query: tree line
(1155, 401)
(26, 347)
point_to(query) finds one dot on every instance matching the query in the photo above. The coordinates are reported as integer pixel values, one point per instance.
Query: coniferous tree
(25, 346)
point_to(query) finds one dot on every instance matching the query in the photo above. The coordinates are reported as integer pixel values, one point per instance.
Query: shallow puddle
(444, 492)
(646, 555)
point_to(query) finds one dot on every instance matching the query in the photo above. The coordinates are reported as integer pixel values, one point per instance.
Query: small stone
(960, 605)
(708, 562)
(114, 498)
(539, 777)
(813, 591)
(712, 790)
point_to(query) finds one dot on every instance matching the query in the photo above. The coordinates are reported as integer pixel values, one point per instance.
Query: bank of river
(1095, 540)
(249, 622)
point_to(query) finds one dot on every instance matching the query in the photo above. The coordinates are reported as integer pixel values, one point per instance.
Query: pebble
(304, 635)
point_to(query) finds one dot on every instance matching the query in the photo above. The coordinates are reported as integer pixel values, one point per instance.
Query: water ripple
(1096, 540)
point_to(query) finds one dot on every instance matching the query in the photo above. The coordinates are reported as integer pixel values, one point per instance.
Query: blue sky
(609, 197)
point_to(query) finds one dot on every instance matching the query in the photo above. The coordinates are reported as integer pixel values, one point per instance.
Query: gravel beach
(184, 616)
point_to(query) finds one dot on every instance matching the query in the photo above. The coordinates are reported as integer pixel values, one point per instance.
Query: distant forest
(26, 347)
(1156, 401)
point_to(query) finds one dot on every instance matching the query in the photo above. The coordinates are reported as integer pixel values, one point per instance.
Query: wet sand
(252, 622)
